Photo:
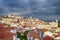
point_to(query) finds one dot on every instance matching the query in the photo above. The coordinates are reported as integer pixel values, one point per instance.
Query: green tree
(24, 36)
(26, 32)
(18, 35)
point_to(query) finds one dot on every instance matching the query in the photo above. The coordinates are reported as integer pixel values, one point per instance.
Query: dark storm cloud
(34, 6)
(30, 7)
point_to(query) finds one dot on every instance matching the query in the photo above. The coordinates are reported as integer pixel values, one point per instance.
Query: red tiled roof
(6, 38)
(6, 29)
(11, 27)
(3, 29)
(48, 38)
(34, 35)
(26, 26)
(3, 24)
(6, 35)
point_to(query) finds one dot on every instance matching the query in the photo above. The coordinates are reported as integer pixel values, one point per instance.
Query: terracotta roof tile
(3, 24)
(6, 35)
(48, 38)
(34, 35)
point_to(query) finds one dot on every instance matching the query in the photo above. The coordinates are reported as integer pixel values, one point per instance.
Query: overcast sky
(43, 9)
